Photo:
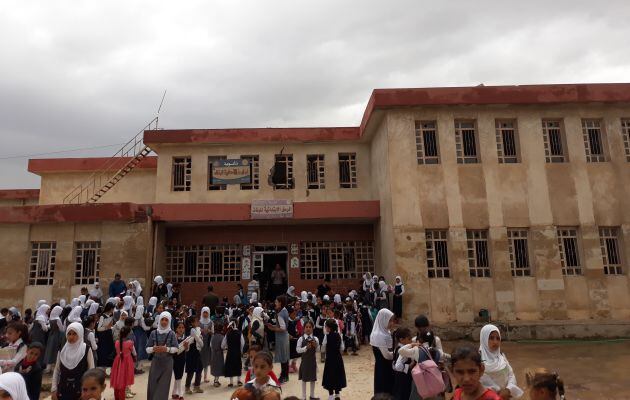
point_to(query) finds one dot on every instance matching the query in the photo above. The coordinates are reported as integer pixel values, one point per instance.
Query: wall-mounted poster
(247, 250)
(294, 249)
(295, 262)
(230, 172)
(271, 209)
(246, 268)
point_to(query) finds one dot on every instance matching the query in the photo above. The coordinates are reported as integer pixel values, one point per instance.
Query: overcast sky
(86, 73)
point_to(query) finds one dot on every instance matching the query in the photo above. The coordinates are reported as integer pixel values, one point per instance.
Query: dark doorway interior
(269, 263)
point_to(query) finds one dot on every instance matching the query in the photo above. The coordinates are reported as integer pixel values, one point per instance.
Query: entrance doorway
(265, 260)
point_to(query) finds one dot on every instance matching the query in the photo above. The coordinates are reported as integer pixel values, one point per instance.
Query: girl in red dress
(122, 371)
(467, 369)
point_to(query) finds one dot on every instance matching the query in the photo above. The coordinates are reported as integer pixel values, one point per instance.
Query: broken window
(282, 173)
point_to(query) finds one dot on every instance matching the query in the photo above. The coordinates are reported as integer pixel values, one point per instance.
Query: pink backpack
(428, 377)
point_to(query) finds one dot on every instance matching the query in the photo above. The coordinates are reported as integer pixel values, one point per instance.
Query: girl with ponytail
(123, 368)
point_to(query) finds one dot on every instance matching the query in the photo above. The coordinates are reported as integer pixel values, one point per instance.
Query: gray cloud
(87, 74)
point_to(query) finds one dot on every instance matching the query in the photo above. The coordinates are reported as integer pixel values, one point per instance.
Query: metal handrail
(132, 148)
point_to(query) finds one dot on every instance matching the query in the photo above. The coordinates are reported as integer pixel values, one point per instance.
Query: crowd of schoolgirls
(244, 337)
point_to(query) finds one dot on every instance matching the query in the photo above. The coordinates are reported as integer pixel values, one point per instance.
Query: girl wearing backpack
(425, 372)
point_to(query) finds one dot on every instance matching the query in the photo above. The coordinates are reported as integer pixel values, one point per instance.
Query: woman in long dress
(282, 350)
(163, 345)
(55, 337)
(399, 290)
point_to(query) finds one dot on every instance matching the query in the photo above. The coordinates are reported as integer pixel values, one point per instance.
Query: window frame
(611, 233)
(80, 249)
(286, 159)
(317, 161)
(625, 134)
(186, 163)
(38, 249)
(476, 238)
(514, 234)
(363, 254)
(551, 158)
(432, 238)
(603, 142)
(231, 267)
(254, 162)
(501, 144)
(460, 145)
(351, 161)
(421, 132)
(563, 234)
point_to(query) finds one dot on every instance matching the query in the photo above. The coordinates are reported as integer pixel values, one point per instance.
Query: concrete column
(16, 250)
(411, 265)
(594, 272)
(502, 274)
(548, 272)
(460, 275)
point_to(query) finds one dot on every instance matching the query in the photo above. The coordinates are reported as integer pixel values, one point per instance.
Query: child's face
(159, 309)
(261, 369)
(205, 314)
(494, 342)
(91, 389)
(180, 329)
(405, 340)
(12, 335)
(308, 329)
(195, 323)
(467, 374)
(33, 354)
(164, 323)
(72, 337)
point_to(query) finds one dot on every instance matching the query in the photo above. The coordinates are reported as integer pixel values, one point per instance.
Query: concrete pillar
(502, 274)
(548, 272)
(460, 275)
(594, 272)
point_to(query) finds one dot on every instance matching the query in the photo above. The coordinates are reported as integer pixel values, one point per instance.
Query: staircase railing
(99, 182)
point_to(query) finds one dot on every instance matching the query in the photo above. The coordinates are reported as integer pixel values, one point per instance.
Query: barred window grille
(211, 160)
(466, 142)
(437, 254)
(336, 260)
(554, 141)
(593, 140)
(203, 263)
(182, 169)
(611, 254)
(569, 251)
(478, 260)
(42, 263)
(87, 262)
(625, 132)
(347, 170)
(519, 252)
(427, 142)
(284, 171)
(315, 171)
(507, 142)
(254, 173)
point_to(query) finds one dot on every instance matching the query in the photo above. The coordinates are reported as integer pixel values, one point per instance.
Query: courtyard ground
(590, 369)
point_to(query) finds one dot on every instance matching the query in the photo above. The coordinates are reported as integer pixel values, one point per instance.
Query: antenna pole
(159, 108)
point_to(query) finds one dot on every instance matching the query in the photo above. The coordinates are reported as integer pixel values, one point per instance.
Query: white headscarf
(254, 298)
(13, 383)
(337, 298)
(75, 302)
(382, 285)
(291, 291)
(139, 313)
(258, 312)
(55, 315)
(326, 297)
(62, 303)
(158, 280)
(202, 319)
(82, 299)
(93, 309)
(112, 300)
(40, 303)
(169, 289)
(381, 336)
(128, 303)
(75, 315)
(304, 296)
(72, 353)
(493, 360)
(167, 315)
(137, 288)
(96, 291)
(42, 313)
(88, 303)
(153, 301)
(400, 279)
(139, 301)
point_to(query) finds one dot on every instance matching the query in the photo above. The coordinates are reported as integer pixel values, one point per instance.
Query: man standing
(211, 300)
(117, 287)
(278, 277)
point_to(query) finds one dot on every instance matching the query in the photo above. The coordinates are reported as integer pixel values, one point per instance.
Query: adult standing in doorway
(278, 279)
(211, 300)
(117, 287)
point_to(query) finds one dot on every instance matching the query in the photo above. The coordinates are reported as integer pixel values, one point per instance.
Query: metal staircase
(113, 170)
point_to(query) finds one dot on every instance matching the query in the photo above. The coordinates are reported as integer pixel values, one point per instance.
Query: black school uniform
(293, 338)
(234, 341)
(179, 361)
(402, 379)
(69, 386)
(32, 377)
(334, 371)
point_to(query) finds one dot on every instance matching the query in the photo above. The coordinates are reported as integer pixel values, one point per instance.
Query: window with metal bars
(336, 260)
(569, 251)
(519, 252)
(203, 263)
(611, 253)
(87, 262)
(42, 263)
(466, 142)
(507, 141)
(594, 144)
(315, 171)
(213, 159)
(254, 173)
(182, 169)
(347, 170)
(427, 142)
(283, 172)
(625, 132)
(554, 141)
(478, 260)
(437, 254)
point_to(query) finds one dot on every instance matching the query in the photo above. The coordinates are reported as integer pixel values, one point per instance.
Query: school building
(512, 199)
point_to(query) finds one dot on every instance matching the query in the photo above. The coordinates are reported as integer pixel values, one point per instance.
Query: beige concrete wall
(123, 249)
(495, 196)
(199, 192)
(18, 202)
(136, 187)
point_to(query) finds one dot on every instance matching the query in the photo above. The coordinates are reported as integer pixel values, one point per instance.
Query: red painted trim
(254, 135)
(241, 212)
(19, 194)
(71, 213)
(44, 165)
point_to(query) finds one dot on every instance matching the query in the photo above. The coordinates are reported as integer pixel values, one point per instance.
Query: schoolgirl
(498, 374)
(257, 330)
(350, 329)
(13, 385)
(382, 347)
(122, 374)
(193, 356)
(319, 328)
(179, 360)
(282, 354)
(544, 385)
(17, 336)
(40, 328)
(334, 379)
(105, 351)
(467, 369)
(295, 329)
(56, 336)
(308, 347)
(31, 369)
(402, 366)
(263, 365)
(206, 325)
(162, 344)
(139, 334)
(90, 338)
(233, 342)
(93, 384)
(75, 358)
(152, 303)
(399, 291)
(217, 363)
(74, 316)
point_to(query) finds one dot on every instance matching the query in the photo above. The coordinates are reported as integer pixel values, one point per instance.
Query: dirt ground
(591, 370)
